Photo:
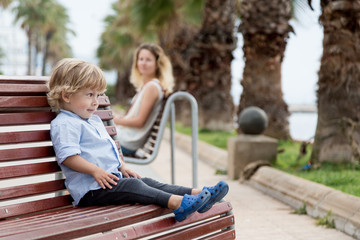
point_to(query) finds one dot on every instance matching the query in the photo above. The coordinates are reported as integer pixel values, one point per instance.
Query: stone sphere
(253, 120)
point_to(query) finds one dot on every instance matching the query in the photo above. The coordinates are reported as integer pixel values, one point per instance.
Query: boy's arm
(102, 177)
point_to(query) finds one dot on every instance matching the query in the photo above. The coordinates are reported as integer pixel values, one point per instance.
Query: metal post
(172, 141)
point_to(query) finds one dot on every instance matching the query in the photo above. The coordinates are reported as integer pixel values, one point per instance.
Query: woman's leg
(127, 152)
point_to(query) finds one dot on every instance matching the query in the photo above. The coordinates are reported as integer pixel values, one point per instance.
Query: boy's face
(83, 103)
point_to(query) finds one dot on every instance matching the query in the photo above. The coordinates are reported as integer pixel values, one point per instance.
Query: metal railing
(169, 110)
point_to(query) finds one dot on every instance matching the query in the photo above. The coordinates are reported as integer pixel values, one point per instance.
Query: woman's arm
(150, 97)
(102, 177)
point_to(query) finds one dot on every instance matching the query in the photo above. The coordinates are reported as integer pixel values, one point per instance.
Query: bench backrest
(30, 179)
(148, 149)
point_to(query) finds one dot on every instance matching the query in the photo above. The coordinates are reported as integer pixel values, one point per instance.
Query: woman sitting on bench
(151, 75)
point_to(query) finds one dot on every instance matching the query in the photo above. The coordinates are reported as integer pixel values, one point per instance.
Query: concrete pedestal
(244, 149)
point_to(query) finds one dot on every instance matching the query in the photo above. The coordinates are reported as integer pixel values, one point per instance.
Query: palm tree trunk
(29, 61)
(265, 29)
(46, 52)
(337, 136)
(124, 89)
(209, 57)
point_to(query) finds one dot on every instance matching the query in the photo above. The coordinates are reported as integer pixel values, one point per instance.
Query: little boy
(94, 170)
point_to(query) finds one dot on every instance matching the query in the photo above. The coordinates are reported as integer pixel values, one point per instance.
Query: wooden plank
(104, 101)
(224, 235)
(165, 224)
(49, 218)
(28, 170)
(104, 114)
(26, 153)
(199, 230)
(98, 223)
(23, 101)
(34, 206)
(9, 88)
(31, 189)
(117, 144)
(111, 130)
(26, 118)
(24, 136)
(24, 79)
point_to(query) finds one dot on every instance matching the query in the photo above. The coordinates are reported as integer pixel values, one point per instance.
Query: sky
(299, 69)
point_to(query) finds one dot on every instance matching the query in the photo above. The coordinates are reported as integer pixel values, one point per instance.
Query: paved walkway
(257, 216)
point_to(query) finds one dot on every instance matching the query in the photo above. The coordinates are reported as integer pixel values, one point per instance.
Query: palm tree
(265, 29)
(140, 21)
(337, 136)
(56, 20)
(117, 44)
(42, 20)
(209, 56)
(201, 56)
(31, 16)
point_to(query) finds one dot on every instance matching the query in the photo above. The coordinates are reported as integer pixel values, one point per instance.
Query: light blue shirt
(72, 135)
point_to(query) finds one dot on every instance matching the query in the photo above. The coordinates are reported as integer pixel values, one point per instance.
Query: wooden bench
(34, 203)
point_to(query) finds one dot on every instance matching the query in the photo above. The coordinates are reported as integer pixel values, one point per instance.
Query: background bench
(149, 151)
(34, 203)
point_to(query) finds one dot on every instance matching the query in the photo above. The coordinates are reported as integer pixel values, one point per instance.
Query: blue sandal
(190, 204)
(217, 193)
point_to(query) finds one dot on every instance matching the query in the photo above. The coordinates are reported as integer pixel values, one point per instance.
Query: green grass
(216, 138)
(343, 177)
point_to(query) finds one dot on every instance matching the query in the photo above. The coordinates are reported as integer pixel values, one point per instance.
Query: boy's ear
(65, 96)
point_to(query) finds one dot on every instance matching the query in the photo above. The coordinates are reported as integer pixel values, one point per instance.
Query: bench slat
(26, 153)
(9, 119)
(31, 189)
(104, 114)
(24, 137)
(104, 101)
(169, 223)
(28, 170)
(37, 101)
(23, 101)
(224, 235)
(22, 89)
(111, 130)
(35, 206)
(199, 230)
(24, 79)
(67, 214)
(101, 222)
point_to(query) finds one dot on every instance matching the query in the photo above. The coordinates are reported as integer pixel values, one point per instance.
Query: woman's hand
(127, 172)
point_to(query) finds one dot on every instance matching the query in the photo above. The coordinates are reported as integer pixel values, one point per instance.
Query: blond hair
(163, 68)
(71, 75)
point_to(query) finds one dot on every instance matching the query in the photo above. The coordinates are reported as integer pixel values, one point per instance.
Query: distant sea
(303, 125)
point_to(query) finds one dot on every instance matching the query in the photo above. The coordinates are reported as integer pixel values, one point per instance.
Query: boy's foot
(217, 193)
(190, 204)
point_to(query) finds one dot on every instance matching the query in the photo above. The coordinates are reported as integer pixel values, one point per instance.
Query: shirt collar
(73, 114)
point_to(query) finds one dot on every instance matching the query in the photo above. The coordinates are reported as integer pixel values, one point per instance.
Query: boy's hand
(104, 179)
(127, 172)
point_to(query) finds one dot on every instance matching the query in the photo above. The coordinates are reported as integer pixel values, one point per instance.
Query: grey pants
(134, 190)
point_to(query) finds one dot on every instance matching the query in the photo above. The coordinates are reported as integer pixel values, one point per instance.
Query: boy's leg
(133, 190)
(173, 189)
